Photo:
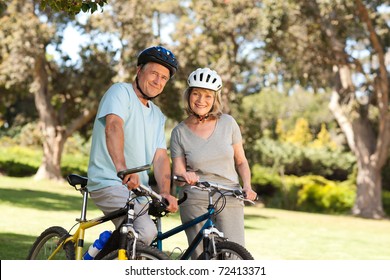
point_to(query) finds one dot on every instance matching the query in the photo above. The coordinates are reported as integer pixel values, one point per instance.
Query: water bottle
(95, 248)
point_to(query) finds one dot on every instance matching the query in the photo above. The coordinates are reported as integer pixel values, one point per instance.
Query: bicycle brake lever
(139, 192)
(239, 193)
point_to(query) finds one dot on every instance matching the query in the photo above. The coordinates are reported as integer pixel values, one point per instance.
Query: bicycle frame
(207, 230)
(209, 224)
(161, 236)
(58, 243)
(78, 237)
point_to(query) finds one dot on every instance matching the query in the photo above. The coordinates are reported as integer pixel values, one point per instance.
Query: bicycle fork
(209, 235)
(127, 233)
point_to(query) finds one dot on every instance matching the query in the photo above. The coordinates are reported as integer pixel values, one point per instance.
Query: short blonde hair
(216, 110)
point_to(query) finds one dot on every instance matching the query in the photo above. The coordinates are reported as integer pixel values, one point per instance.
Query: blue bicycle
(215, 245)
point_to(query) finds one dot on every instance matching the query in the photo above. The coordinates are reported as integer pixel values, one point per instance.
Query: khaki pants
(113, 198)
(230, 221)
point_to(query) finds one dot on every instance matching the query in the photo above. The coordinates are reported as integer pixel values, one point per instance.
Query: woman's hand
(249, 193)
(191, 177)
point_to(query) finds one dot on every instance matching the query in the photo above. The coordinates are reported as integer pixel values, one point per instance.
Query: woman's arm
(179, 169)
(243, 170)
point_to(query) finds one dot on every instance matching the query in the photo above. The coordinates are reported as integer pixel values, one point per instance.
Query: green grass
(28, 207)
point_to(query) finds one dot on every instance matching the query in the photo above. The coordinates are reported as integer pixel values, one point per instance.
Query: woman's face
(201, 100)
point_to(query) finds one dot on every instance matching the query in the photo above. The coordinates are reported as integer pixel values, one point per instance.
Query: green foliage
(74, 163)
(320, 195)
(302, 160)
(73, 7)
(323, 139)
(386, 175)
(386, 201)
(21, 161)
(265, 180)
(3, 7)
(301, 134)
(306, 193)
(273, 115)
(273, 189)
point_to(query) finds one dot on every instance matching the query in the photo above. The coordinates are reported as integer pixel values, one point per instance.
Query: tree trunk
(53, 139)
(370, 148)
(368, 203)
(53, 145)
(363, 143)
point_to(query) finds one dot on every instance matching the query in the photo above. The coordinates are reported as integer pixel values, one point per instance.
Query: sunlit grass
(28, 207)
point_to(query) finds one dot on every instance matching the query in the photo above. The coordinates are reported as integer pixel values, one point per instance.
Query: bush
(19, 161)
(324, 196)
(300, 161)
(386, 201)
(74, 163)
(274, 190)
(306, 193)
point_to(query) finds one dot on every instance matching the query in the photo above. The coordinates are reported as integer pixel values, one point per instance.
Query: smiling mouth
(201, 106)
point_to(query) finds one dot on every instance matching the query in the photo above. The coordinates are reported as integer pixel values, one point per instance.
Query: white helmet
(205, 78)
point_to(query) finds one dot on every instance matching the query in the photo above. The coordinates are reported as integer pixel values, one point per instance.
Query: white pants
(113, 198)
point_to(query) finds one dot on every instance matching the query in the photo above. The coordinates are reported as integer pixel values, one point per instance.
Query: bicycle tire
(48, 241)
(227, 250)
(143, 253)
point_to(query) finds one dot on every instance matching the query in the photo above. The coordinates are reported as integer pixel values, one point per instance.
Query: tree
(220, 35)
(341, 44)
(64, 99)
(301, 134)
(74, 6)
(135, 25)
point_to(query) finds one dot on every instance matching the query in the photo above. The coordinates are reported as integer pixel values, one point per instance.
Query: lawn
(28, 207)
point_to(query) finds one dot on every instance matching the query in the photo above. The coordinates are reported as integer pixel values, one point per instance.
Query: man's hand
(172, 206)
(131, 181)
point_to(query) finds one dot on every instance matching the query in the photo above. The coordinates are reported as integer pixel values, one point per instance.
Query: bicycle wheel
(143, 253)
(227, 250)
(48, 241)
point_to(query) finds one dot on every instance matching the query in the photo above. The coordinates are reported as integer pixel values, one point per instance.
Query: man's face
(152, 78)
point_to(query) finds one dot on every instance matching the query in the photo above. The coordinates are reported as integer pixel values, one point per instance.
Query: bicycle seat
(74, 180)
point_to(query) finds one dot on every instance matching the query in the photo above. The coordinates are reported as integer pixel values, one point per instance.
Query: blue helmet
(159, 55)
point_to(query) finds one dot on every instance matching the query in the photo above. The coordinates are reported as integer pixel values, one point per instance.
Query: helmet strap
(202, 118)
(144, 96)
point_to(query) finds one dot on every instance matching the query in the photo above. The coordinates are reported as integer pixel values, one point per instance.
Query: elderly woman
(207, 146)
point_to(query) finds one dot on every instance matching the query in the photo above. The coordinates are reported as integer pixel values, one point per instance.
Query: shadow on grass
(40, 200)
(15, 246)
(257, 218)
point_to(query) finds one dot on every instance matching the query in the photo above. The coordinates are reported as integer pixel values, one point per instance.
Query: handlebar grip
(121, 174)
(181, 200)
(256, 198)
(178, 179)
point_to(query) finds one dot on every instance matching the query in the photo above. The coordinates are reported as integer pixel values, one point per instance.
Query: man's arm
(115, 144)
(162, 173)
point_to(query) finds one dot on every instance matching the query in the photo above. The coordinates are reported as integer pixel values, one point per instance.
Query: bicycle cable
(223, 205)
(144, 209)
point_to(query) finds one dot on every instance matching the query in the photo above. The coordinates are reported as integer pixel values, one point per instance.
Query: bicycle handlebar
(205, 186)
(121, 174)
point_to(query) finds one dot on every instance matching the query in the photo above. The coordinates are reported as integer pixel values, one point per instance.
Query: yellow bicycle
(56, 243)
